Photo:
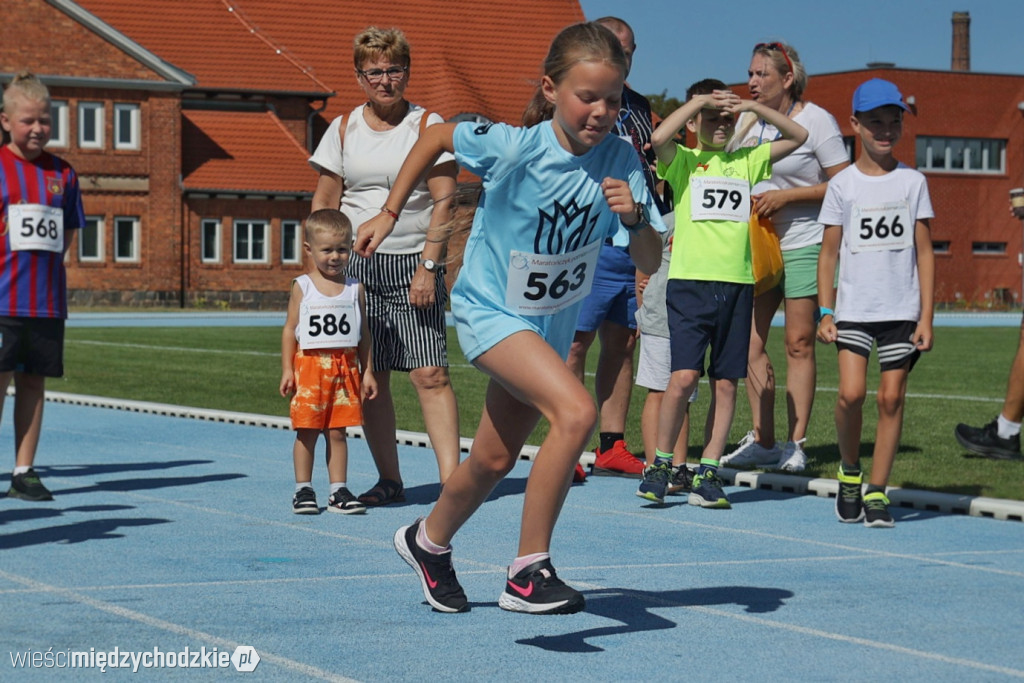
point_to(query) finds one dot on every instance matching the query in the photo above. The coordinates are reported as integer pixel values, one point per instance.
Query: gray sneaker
(750, 453)
(793, 458)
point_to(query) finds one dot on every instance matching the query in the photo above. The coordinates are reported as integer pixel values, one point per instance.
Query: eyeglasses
(375, 76)
(777, 47)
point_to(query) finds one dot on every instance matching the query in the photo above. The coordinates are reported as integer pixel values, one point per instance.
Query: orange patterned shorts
(327, 389)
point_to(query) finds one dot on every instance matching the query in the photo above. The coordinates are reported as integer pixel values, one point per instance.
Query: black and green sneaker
(28, 487)
(876, 511)
(707, 492)
(849, 505)
(655, 482)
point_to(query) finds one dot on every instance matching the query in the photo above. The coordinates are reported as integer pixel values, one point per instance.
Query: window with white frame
(126, 126)
(250, 241)
(126, 238)
(961, 155)
(988, 248)
(59, 123)
(291, 242)
(209, 236)
(90, 240)
(940, 246)
(90, 125)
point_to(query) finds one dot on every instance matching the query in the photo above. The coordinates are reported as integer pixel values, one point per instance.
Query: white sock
(1007, 429)
(335, 485)
(299, 485)
(521, 563)
(423, 541)
(22, 469)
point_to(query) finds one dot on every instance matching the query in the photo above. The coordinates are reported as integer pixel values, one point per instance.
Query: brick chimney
(961, 41)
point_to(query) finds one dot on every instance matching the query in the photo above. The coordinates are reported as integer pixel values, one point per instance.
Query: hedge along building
(966, 134)
(190, 122)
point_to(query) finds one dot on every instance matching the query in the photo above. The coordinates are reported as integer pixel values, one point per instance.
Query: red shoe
(578, 475)
(617, 461)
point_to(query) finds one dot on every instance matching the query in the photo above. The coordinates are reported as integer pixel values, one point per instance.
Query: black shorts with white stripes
(895, 342)
(404, 337)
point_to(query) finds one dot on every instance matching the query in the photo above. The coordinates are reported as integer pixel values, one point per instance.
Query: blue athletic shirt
(538, 199)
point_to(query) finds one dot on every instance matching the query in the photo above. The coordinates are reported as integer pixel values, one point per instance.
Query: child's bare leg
(337, 455)
(515, 399)
(850, 405)
(302, 454)
(892, 392)
(725, 391)
(28, 416)
(674, 402)
(649, 429)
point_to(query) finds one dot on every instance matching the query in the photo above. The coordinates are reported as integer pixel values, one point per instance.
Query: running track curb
(975, 506)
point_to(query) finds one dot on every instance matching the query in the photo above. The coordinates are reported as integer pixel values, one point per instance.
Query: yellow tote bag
(765, 254)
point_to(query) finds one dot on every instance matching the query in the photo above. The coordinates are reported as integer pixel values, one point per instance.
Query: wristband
(823, 311)
(385, 209)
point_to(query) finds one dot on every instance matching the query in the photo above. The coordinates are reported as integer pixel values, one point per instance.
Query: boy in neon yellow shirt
(711, 284)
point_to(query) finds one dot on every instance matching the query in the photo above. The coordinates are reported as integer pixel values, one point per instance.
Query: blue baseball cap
(877, 93)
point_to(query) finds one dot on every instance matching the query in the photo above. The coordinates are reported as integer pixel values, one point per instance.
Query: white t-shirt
(878, 279)
(797, 223)
(369, 164)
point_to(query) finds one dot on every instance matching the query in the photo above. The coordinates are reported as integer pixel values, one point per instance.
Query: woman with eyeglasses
(791, 198)
(357, 159)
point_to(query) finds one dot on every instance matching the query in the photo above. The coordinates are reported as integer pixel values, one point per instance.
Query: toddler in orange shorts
(326, 361)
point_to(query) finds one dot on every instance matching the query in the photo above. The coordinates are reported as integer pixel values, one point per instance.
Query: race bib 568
(35, 226)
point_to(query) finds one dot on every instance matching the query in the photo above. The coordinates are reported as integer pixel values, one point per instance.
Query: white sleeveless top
(328, 322)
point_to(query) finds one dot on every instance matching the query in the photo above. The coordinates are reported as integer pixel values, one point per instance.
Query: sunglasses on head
(776, 47)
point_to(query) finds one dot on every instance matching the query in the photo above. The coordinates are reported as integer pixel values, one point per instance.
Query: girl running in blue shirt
(552, 194)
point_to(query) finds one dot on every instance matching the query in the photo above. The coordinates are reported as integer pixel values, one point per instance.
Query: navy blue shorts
(894, 339)
(613, 296)
(716, 314)
(34, 346)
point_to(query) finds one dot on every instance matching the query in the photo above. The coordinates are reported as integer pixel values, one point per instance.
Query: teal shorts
(800, 272)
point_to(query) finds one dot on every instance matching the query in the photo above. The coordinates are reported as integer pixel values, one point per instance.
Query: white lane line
(177, 629)
(463, 366)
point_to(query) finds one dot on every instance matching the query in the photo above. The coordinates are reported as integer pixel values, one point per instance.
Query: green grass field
(238, 369)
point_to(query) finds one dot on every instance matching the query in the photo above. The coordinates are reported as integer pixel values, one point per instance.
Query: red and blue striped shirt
(33, 283)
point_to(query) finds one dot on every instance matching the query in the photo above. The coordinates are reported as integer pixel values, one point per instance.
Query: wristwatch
(642, 219)
(430, 264)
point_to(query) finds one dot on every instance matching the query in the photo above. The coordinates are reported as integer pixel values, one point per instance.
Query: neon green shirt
(712, 211)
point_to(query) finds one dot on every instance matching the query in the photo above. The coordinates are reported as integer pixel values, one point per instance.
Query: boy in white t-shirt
(876, 216)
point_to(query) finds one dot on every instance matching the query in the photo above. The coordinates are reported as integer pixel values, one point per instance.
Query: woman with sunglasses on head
(791, 198)
(357, 159)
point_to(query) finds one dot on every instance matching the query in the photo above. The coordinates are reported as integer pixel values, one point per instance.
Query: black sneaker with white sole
(28, 487)
(987, 442)
(538, 590)
(304, 502)
(437, 575)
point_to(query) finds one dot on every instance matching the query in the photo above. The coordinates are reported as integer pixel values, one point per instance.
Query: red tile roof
(242, 152)
(468, 56)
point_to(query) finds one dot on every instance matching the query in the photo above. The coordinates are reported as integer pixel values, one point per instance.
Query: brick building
(190, 122)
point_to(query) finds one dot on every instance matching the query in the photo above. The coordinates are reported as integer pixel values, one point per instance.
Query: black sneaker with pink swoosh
(437, 575)
(538, 590)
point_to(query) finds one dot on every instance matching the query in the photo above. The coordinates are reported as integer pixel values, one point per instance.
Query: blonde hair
(781, 59)
(586, 42)
(389, 43)
(25, 85)
(329, 221)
